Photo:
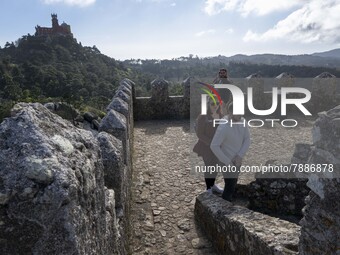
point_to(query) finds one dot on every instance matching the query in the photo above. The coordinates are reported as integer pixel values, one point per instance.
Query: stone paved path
(164, 191)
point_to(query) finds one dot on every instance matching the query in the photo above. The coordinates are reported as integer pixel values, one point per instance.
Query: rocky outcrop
(238, 230)
(63, 189)
(53, 198)
(320, 225)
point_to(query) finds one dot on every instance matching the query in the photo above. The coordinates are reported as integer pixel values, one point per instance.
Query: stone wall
(65, 190)
(281, 196)
(118, 122)
(238, 230)
(278, 196)
(162, 106)
(320, 225)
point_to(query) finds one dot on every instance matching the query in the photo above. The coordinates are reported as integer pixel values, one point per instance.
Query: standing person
(222, 78)
(205, 132)
(229, 144)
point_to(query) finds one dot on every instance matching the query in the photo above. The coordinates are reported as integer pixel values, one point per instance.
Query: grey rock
(89, 116)
(321, 221)
(52, 186)
(200, 243)
(39, 170)
(3, 199)
(127, 83)
(114, 174)
(163, 232)
(159, 90)
(50, 106)
(125, 89)
(302, 153)
(120, 106)
(114, 123)
(184, 224)
(95, 124)
(122, 95)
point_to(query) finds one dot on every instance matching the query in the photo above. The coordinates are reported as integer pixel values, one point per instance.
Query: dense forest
(58, 68)
(42, 69)
(207, 68)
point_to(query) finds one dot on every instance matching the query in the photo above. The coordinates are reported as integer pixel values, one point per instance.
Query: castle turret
(55, 23)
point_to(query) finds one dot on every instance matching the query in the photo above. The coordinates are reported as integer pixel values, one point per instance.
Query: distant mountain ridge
(328, 54)
(322, 59)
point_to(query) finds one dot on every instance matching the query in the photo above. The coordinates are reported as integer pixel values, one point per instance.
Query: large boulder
(52, 194)
(320, 233)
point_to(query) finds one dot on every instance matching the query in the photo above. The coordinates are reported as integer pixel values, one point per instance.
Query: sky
(159, 29)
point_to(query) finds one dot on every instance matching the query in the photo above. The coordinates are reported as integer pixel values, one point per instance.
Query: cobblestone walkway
(164, 190)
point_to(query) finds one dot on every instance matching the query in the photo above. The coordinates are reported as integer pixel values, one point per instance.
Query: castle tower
(56, 29)
(55, 23)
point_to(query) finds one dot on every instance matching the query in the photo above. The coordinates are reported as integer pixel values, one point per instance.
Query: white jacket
(230, 141)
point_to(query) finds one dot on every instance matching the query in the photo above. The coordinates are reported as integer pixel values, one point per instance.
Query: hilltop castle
(56, 29)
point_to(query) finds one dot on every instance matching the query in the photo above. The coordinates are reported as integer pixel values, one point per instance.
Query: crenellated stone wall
(162, 106)
(63, 189)
(118, 122)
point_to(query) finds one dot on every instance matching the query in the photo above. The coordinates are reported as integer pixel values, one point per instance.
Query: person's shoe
(217, 189)
(209, 191)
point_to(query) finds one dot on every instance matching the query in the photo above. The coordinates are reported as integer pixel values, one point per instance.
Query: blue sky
(125, 29)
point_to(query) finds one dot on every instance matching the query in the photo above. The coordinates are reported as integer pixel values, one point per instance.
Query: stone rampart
(63, 189)
(238, 230)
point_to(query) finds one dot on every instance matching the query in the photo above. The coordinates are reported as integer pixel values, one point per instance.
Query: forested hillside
(58, 68)
(41, 69)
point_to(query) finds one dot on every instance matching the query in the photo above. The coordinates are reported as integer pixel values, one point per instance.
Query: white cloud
(246, 7)
(316, 21)
(205, 32)
(216, 6)
(229, 31)
(173, 4)
(81, 3)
